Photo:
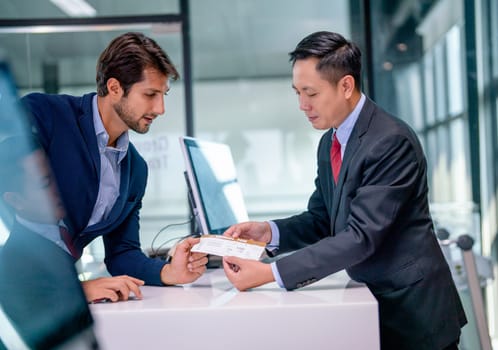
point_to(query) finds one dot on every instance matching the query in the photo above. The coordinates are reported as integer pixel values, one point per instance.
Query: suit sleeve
(123, 252)
(387, 174)
(308, 227)
(124, 256)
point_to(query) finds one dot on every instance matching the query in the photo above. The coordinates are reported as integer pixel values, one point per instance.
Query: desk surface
(332, 313)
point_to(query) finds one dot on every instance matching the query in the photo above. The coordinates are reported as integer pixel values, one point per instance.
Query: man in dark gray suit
(368, 215)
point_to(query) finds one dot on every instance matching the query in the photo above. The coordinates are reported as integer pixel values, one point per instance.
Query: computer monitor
(42, 304)
(216, 196)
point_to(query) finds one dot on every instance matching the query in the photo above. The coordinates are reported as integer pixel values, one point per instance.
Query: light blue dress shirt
(342, 132)
(110, 168)
(48, 231)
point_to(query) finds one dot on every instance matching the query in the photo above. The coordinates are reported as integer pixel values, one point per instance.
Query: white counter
(211, 314)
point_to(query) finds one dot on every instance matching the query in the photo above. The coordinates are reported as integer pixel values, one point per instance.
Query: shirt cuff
(275, 236)
(276, 274)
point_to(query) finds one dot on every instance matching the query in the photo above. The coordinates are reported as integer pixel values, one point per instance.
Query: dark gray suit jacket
(376, 224)
(40, 291)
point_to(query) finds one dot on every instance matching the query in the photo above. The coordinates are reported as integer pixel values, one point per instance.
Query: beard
(123, 111)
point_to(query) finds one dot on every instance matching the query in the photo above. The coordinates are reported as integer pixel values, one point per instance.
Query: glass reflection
(42, 305)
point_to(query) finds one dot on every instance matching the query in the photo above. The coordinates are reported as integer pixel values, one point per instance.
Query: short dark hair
(337, 56)
(125, 59)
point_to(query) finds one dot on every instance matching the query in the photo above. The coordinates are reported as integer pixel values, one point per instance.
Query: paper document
(222, 246)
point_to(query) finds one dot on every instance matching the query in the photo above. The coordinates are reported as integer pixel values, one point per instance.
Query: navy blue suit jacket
(40, 291)
(65, 128)
(376, 224)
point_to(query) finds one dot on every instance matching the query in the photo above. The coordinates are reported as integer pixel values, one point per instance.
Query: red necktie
(335, 157)
(66, 238)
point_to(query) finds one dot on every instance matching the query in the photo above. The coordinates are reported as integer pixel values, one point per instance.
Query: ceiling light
(388, 66)
(402, 47)
(75, 8)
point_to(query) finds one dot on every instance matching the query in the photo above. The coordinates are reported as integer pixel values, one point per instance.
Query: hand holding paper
(228, 246)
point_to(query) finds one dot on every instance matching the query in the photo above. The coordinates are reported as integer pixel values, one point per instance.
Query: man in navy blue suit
(369, 213)
(100, 175)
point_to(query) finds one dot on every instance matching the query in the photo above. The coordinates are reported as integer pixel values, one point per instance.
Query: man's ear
(114, 87)
(13, 199)
(347, 85)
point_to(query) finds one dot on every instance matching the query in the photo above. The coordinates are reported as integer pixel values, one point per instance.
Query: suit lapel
(352, 147)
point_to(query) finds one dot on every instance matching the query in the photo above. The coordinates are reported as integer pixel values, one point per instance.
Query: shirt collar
(103, 137)
(344, 130)
(38, 227)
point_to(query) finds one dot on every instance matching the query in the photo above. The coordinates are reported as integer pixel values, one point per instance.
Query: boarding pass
(228, 246)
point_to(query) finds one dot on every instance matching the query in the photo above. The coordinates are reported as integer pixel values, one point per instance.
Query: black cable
(155, 251)
(178, 239)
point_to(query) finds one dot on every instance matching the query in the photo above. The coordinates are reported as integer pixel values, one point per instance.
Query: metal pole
(476, 296)
(187, 67)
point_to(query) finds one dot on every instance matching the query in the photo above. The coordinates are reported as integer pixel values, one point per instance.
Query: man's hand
(112, 288)
(185, 266)
(258, 231)
(245, 274)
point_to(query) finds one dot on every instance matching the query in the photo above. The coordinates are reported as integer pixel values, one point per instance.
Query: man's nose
(159, 106)
(303, 104)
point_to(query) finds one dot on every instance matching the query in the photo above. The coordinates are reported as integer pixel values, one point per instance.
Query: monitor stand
(162, 253)
(214, 262)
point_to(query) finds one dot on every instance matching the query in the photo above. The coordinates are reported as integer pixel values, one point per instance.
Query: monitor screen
(42, 304)
(216, 194)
